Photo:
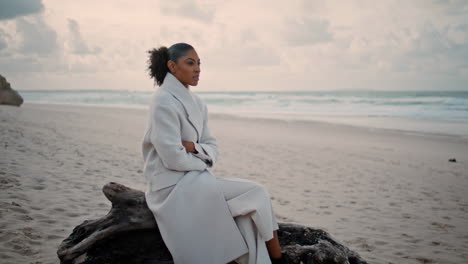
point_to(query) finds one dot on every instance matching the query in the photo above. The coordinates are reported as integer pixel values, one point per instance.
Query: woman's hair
(158, 58)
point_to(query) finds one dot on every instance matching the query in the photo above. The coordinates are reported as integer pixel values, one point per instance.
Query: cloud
(313, 7)
(307, 32)
(3, 44)
(29, 45)
(458, 34)
(238, 48)
(188, 9)
(426, 49)
(20, 65)
(259, 55)
(77, 43)
(313, 44)
(15, 8)
(38, 37)
(451, 7)
(3, 40)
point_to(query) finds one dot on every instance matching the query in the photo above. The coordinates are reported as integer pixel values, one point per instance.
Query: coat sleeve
(207, 147)
(166, 137)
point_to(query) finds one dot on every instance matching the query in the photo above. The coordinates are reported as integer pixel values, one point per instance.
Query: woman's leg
(273, 246)
(250, 205)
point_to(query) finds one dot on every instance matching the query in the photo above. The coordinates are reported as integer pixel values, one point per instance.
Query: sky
(244, 45)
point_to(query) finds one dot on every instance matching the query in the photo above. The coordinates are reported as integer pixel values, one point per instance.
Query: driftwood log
(129, 234)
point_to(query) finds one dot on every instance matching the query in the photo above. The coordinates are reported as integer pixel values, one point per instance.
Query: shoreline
(338, 121)
(388, 195)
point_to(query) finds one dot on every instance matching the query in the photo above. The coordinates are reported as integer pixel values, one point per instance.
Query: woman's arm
(189, 146)
(166, 137)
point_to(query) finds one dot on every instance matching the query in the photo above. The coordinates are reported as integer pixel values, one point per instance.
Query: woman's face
(187, 68)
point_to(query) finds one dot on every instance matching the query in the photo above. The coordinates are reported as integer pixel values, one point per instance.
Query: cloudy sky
(243, 44)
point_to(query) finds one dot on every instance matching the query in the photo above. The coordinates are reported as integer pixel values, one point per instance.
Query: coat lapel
(183, 94)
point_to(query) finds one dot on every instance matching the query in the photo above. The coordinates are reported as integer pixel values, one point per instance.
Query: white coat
(194, 220)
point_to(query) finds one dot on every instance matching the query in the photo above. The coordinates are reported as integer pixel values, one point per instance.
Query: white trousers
(250, 205)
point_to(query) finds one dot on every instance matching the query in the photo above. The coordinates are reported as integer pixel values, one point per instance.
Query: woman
(202, 219)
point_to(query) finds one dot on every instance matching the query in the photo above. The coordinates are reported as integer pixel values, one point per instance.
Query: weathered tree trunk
(129, 234)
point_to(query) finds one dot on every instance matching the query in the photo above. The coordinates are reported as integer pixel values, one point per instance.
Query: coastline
(449, 128)
(437, 112)
(390, 195)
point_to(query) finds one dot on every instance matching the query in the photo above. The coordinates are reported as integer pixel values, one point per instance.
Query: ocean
(439, 112)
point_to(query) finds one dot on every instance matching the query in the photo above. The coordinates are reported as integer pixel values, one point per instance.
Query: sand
(390, 195)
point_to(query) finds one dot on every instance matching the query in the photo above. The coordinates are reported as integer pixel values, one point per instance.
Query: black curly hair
(158, 58)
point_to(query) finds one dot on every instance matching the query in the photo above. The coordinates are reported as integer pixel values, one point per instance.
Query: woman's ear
(172, 66)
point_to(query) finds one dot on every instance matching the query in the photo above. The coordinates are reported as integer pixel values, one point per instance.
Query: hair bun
(157, 64)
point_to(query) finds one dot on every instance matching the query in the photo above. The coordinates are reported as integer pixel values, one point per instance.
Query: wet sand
(390, 195)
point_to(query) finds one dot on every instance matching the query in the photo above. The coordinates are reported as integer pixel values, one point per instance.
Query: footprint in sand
(57, 210)
(6, 183)
(20, 246)
(420, 259)
(30, 233)
(20, 210)
(380, 243)
(38, 187)
(406, 216)
(362, 243)
(51, 237)
(48, 221)
(283, 218)
(441, 226)
(7, 235)
(283, 202)
(72, 214)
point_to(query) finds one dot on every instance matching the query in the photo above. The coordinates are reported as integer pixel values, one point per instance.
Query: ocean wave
(417, 105)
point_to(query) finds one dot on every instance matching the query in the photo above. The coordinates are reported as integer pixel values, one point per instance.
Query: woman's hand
(189, 146)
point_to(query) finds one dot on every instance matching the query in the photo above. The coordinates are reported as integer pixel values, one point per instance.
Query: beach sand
(390, 195)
